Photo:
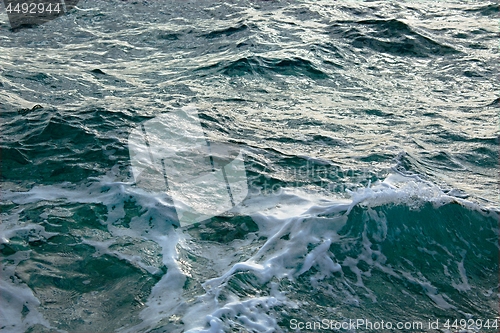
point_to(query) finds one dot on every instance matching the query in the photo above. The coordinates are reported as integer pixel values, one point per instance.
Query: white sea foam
(20, 308)
(298, 227)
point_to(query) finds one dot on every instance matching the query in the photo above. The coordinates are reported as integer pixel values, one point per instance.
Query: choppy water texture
(370, 136)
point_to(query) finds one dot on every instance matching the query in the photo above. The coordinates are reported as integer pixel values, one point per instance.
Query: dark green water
(370, 140)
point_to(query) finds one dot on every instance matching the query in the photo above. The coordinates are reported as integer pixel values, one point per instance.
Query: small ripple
(225, 32)
(488, 10)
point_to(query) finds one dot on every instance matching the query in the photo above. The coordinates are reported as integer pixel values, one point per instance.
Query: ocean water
(370, 137)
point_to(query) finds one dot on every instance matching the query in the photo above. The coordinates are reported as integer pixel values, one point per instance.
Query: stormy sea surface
(369, 132)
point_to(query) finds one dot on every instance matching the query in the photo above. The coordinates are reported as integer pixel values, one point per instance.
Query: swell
(49, 146)
(257, 65)
(413, 248)
(390, 36)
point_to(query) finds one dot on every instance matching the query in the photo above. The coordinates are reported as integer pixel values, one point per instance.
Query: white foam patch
(464, 284)
(251, 313)
(29, 232)
(18, 304)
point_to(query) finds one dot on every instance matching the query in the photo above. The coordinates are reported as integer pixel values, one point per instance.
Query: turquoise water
(370, 140)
